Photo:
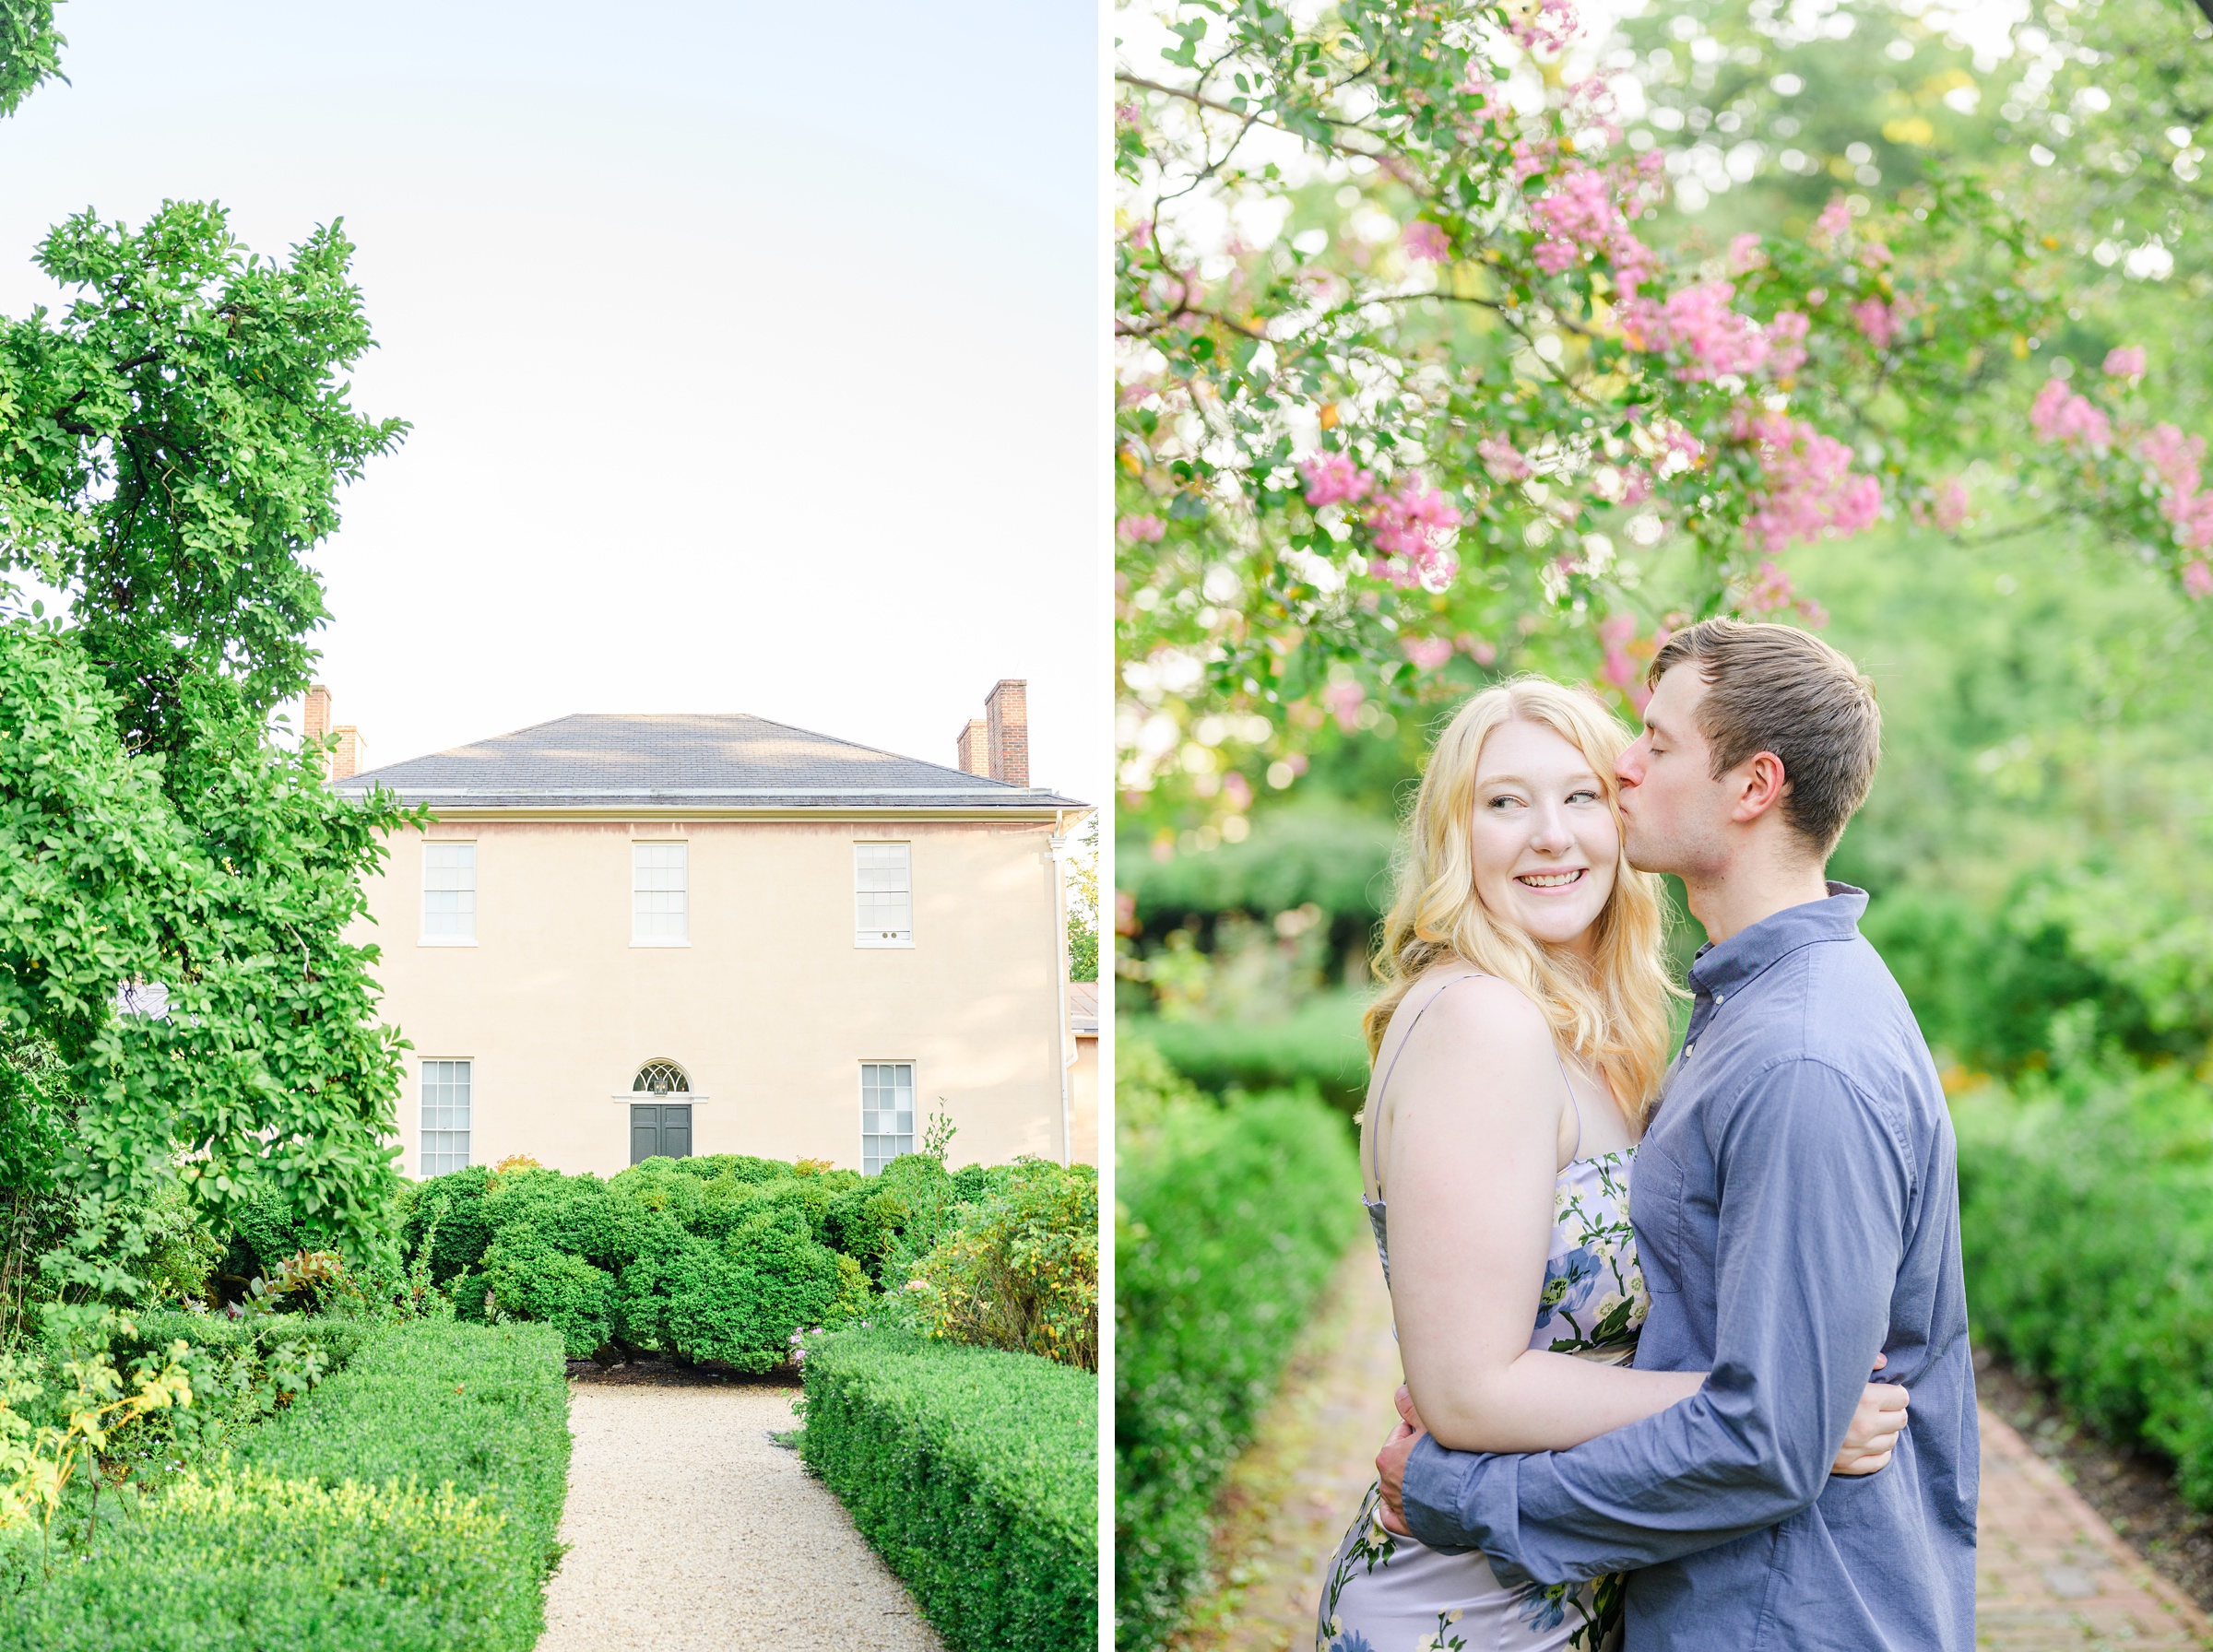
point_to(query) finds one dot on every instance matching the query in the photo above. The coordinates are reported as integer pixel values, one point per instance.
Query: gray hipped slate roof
(685, 760)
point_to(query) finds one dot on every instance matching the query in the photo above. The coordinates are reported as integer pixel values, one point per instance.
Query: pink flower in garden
(1633, 262)
(1621, 667)
(1580, 210)
(1552, 256)
(1874, 252)
(1147, 528)
(1547, 26)
(1876, 321)
(1140, 234)
(1786, 342)
(1236, 791)
(1331, 477)
(1427, 652)
(1426, 241)
(1344, 701)
(1680, 450)
(1405, 527)
(2060, 416)
(2192, 520)
(1951, 504)
(2173, 457)
(2126, 362)
(1476, 649)
(2197, 579)
(1744, 254)
(1504, 460)
(1835, 219)
(1697, 321)
(1770, 590)
(1810, 489)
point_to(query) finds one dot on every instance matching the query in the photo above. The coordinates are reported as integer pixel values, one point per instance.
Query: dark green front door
(660, 1132)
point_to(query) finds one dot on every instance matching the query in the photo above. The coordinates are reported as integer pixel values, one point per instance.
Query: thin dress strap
(1572, 1102)
(1377, 1100)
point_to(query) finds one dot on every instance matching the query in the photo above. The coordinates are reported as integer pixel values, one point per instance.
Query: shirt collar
(1721, 969)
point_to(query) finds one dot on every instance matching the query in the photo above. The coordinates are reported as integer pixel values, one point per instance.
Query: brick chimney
(316, 721)
(1007, 735)
(975, 748)
(346, 760)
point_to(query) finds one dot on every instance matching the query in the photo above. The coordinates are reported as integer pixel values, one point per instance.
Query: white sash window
(884, 895)
(449, 894)
(660, 875)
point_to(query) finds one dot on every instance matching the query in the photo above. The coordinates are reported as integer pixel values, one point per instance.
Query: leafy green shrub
(1020, 1270)
(409, 1503)
(529, 1278)
(1229, 1223)
(2087, 1219)
(974, 1472)
(1318, 1044)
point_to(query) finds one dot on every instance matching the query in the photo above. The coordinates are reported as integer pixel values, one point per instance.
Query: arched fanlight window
(661, 1078)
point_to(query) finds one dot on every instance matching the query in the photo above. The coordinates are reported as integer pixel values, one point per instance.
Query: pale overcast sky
(751, 351)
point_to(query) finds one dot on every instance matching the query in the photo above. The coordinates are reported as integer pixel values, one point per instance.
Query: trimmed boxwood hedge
(408, 1504)
(974, 1472)
(2086, 1213)
(1229, 1223)
(719, 1258)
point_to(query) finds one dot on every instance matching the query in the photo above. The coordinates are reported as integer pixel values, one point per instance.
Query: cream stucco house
(630, 935)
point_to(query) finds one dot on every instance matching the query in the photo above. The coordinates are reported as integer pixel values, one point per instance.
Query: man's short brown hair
(1775, 687)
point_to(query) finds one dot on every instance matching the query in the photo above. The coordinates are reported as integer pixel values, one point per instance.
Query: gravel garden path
(2052, 1575)
(690, 1530)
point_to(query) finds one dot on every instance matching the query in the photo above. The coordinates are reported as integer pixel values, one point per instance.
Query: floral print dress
(1385, 1593)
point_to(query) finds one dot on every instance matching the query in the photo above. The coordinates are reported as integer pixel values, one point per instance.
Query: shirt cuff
(1436, 1485)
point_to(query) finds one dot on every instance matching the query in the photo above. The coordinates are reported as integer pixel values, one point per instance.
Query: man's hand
(1390, 1462)
(1876, 1425)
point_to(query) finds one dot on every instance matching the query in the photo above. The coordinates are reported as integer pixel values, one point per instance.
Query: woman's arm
(1470, 1156)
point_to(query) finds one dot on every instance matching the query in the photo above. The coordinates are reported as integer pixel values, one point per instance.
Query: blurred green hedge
(1229, 1222)
(2087, 1215)
(1318, 1044)
(974, 1472)
(408, 1504)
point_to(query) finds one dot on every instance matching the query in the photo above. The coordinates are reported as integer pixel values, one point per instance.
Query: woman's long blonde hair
(1612, 1013)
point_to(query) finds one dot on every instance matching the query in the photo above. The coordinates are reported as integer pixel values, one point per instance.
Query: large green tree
(174, 882)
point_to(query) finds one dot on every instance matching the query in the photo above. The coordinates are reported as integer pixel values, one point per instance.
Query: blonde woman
(1517, 1046)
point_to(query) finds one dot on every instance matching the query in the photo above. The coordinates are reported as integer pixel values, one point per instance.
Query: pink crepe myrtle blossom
(1622, 668)
(1580, 210)
(1335, 478)
(1786, 342)
(1697, 321)
(2197, 579)
(1344, 701)
(1680, 450)
(1483, 653)
(1547, 26)
(1634, 263)
(2173, 457)
(2125, 362)
(1874, 252)
(1951, 504)
(1809, 488)
(1876, 321)
(1504, 460)
(1427, 652)
(1236, 791)
(2193, 519)
(1555, 256)
(1405, 526)
(1744, 256)
(1146, 529)
(2058, 415)
(1426, 241)
(1140, 234)
(1771, 589)
(1835, 221)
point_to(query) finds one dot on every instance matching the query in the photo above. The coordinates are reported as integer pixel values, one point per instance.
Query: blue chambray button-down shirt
(1797, 1208)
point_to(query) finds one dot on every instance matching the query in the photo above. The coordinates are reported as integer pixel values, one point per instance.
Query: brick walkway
(2052, 1577)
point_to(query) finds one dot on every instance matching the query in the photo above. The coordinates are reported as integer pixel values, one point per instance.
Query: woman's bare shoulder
(1461, 1005)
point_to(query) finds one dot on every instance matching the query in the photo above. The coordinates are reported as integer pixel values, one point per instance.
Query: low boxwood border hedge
(407, 1504)
(1229, 1222)
(974, 1472)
